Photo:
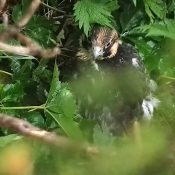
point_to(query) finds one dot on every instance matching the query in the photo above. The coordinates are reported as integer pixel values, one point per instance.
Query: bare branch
(26, 129)
(20, 50)
(53, 8)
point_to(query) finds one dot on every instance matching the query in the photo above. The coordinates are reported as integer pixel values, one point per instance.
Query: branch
(29, 47)
(26, 129)
(37, 52)
(53, 8)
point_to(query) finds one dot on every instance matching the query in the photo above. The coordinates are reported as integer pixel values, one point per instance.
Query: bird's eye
(108, 44)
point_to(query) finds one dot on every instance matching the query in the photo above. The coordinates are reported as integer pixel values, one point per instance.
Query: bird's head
(105, 42)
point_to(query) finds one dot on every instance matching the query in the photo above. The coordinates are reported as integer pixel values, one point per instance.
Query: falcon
(120, 91)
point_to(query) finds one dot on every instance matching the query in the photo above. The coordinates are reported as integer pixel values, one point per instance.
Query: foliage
(156, 7)
(41, 91)
(89, 12)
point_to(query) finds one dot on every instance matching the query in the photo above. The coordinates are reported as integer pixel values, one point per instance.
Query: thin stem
(53, 8)
(167, 77)
(7, 73)
(23, 107)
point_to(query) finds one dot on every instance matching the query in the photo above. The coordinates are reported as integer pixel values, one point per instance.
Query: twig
(29, 47)
(6, 73)
(26, 129)
(53, 8)
(20, 50)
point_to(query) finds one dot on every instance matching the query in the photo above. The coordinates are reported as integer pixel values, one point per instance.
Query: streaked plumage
(129, 94)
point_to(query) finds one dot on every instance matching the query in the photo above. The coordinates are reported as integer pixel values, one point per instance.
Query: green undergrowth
(40, 91)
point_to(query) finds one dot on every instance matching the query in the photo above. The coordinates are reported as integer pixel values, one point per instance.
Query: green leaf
(41, 30)
(42, 73)
(36, 119)
(135, 2)
(155, 7)
(111, 5)
(61, 107)
(55, 84)
(69, 126)
(165, 29)
(12, 93)
(25, 72)
(88, 12)
(130, 19)
(63, 103)
(144, 47)
(20, 9)
(15, 65)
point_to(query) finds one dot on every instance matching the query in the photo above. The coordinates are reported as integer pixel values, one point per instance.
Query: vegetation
(40, 92)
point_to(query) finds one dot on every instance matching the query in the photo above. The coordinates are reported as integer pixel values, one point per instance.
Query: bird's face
(105, 43)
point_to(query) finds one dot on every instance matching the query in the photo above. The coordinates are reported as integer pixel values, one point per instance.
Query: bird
(119, 91)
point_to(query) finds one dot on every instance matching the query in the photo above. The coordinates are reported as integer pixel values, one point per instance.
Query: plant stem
(7, 73)
(167, 77)
(23, 107)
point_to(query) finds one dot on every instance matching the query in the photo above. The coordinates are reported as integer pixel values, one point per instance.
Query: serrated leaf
(165, 29)
(42, 73)
(55, 84)
(155, 7)
(15, 65)
(36, 119)
(41, 30)
(89, 12)
(112, 5)
(65, 122)
(63, 103)
(130, 19)
(12, 93)
(68, 125)
(24, 73)
(61, 106)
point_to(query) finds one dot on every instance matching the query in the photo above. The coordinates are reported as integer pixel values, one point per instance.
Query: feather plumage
(119, 89)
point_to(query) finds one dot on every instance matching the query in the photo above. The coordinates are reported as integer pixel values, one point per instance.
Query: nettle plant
(148, 24)
(32, 90)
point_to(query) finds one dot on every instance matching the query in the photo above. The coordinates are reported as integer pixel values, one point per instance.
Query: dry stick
(26, 129)
(20, 50)
(53, 8)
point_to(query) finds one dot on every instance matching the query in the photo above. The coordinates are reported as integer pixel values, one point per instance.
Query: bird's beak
(97, 52)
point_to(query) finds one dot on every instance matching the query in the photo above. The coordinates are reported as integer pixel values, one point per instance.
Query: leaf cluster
(41, 92)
